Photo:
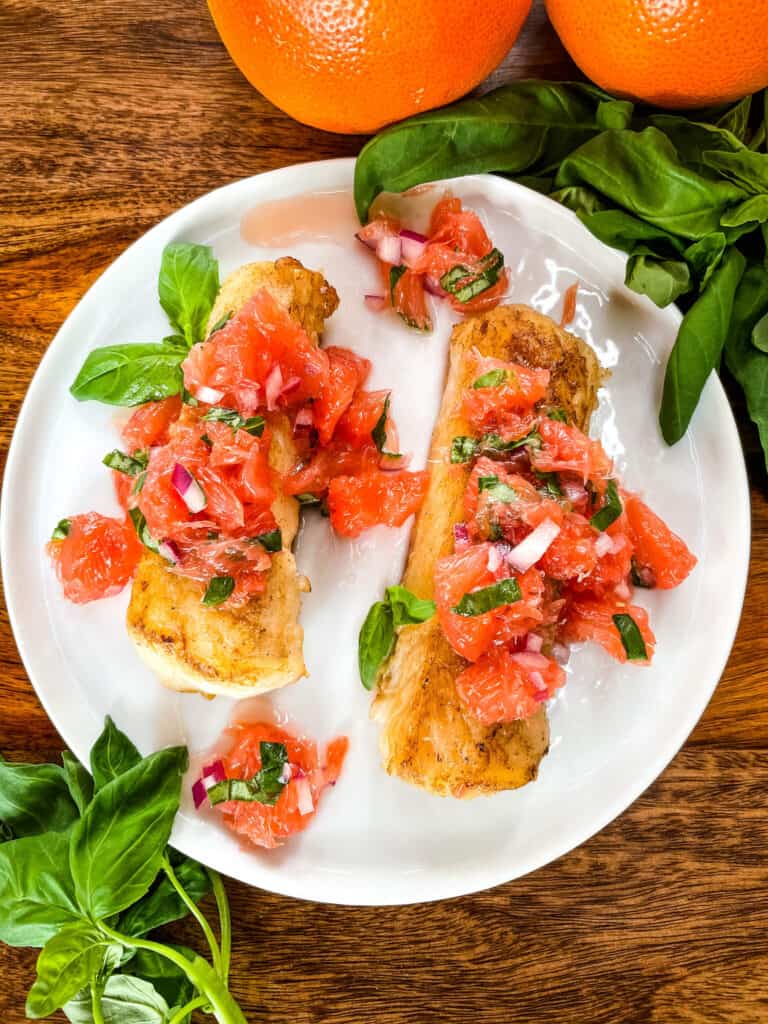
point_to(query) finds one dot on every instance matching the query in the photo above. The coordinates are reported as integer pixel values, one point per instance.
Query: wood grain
(111, 116)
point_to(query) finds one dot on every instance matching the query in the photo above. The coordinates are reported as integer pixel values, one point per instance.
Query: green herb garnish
(496, 489)
(218, 590)
(221, 322)
(395, 273)
(550, 484)
(478, 602)
(271, 541)
(631, 637)
(377, 636)
(558, 414)
(131, 465)
(464, 449)
(464, 283)
(611, 509)
(492, 379)
(264, 787)
(61, 530)
(142, 531)
(379, 432)
(252, 425)
(307, 499)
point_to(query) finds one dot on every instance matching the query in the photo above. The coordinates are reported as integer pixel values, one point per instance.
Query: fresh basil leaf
(252, 425)
(271, 541)
(395, 273)
(698, 347)
(465, 283)
(307, 499)
(35, 798)
(142, 530)
(126, 1000)
(162, 904)
(379, 432)
(748, 364)
(622, 230)
(524, 126)
(165, 977)
(692, 139)
(79, 782)
(407, 609)
(375, 642)
(583, 201)
(112, 755)
(218, 590)
(496, 489)
(558, 414)
(37, 895)
(6, 833)
(464, 449)
(131, 465)
(478, 602)
(550, 485)
(760, 334)
(187, 287)
(492, 379)
(611, 509)
(129, 375)
(221, 322)
(704, 256)
(189, 399)
(118, 844)
(615, 114)
(736, 119)
(642, 172)
(631, 637)
(662, 281)
(747, 215)
(746, 168)
(61, 530)
(264, 787)
(69, 962)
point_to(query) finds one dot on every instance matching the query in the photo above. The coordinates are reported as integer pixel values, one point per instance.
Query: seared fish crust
(427, 737)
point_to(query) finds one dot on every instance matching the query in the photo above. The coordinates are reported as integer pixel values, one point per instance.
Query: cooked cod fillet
(428, 739)
(243, 651)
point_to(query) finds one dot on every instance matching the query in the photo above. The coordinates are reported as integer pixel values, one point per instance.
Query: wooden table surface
(114, 114)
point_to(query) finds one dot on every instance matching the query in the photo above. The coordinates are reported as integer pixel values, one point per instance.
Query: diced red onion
(433, 286)
(199, 793)
(622, 591)
(273, 386)
(603, 545)
(304, 796)
(495, 558)
(531, 661)
(208, 396)
(373, 232)
(573, 491)
(460, 537)
(214, 772)
(534, 642)
(169, 551)
(529, 551)
(188, 489)
(538, 680)
(412, 246)
(541, 695)
(304, 417)
(287, 773)
(561, 653)
(376, 303)
(390, 249)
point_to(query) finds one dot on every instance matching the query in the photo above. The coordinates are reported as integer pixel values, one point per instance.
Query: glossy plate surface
(614, 728)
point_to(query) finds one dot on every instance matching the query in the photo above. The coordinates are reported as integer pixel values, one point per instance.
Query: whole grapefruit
(349, 66)
(674, 53)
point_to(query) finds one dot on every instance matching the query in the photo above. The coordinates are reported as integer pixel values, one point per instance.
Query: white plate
(614, 728)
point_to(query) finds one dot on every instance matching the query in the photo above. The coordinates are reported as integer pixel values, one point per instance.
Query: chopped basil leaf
(377, 636)
(206, 440)
(212, 535)
(496, 490)
(218, 590)
(188, 398)
(271, 541)
(307, 499)
(264, 787)
(478, 602)
(379, 432)
(395, 273)
(61, 530)
(550, 484)
(492, 379)
(557, 414)
(221, 323)
(253, 425)
(140, 479)
(631, 637)
(131, 465)
(495, 531)
(463, 448)
(464, 283)
(140, 526)
(610, 511)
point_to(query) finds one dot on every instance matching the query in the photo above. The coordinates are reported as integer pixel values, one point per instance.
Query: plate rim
(467, 880)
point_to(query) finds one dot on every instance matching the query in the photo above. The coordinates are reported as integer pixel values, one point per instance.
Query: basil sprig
(264, 787)
(684, 198)
(251, 425)
(478, 602)
(218, 590)
(464, 283)
(86, 876)
(131, 465)
(611, 509)
(377, 635)
(631, 637)
(132, 374)
(496, 489)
